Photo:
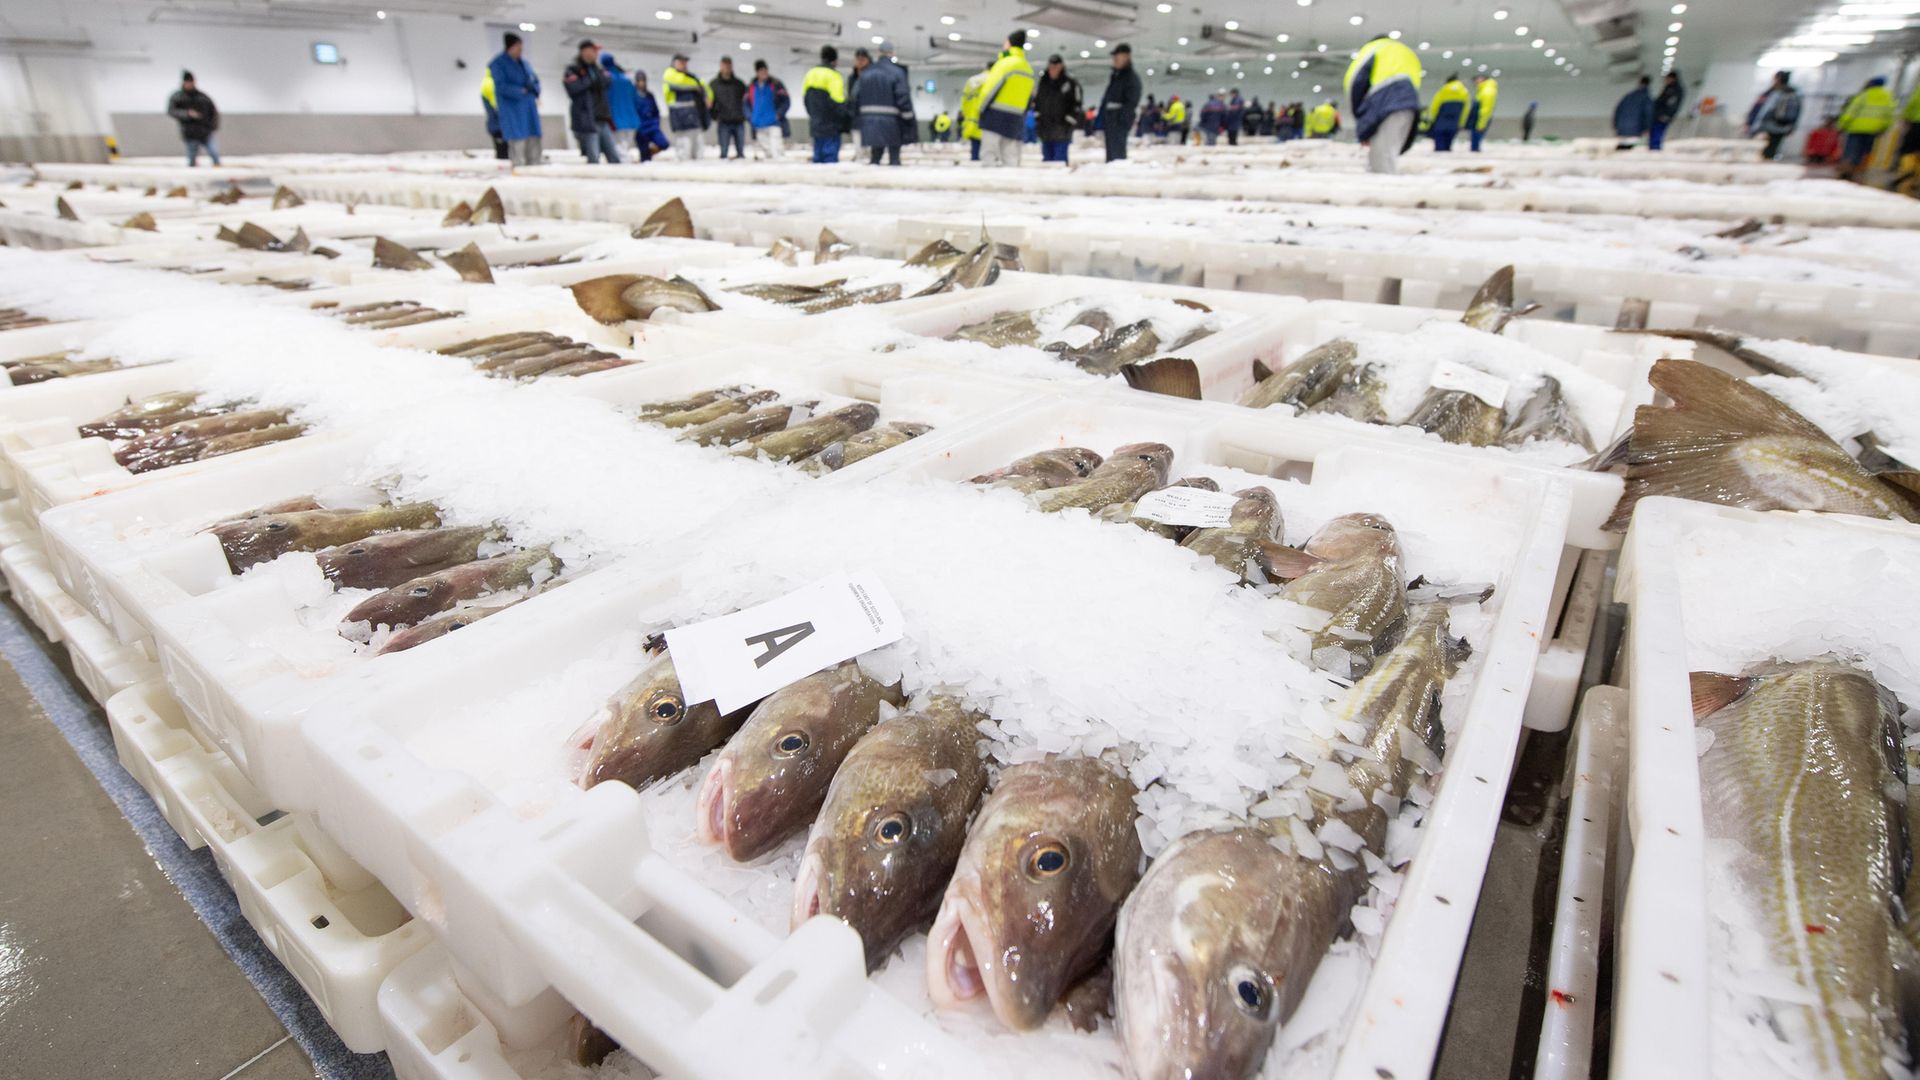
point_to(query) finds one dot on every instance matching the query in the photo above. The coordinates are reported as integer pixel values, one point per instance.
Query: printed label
(737, 659)
(1186, 506)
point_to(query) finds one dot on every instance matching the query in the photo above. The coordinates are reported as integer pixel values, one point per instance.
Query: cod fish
(420, 598)
(1116, 349)
(804, 440)
(1031, 906)
(773, 775)
(142, 221)
(1218, 943)
(1131, 472)
(487, 209)
(670, 219)
(461, 214)
(62, 210)
(863, 445)
(258, 539)
(975, 270)
(232, 195)
(784, 251)
(836, 299)
(1459, 418)
(937, 253)
(284, 506)
(829, 248)
(185, 432)
(617, 298)
(1726, 441)
(386, 560)
(741, 426)
(255, 238)
(285, 198)
(651, 733)
(470, 264)
(724, 404)
(1047, 469)
(1238, 546)
(1547, 416)
(388, 255)
(1002, 330)
(26, 374)
(436, 628)
(895, 817)
(227, 444)
(1304, 382)
(1355, 393)
(1805, 773)
(1491, 308)
(1351, 571)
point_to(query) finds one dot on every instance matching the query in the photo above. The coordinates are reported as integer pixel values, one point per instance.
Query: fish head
(783, 757)
(1255, 506)
(1158, 456)
(1353, 536)
(647, 728)
(859, 416)
(1078, 458)
(1196, 988)
(259, 539)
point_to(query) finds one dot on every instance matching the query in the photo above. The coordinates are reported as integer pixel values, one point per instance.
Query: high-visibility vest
(677, 84)
(1454, 93)
(1009, 90)
(1177, 112)
(970, 105)
(1868, 112)
(1486, 94)
(1322, 119)
(1392, 62)
(1913, 107)
(942, 122)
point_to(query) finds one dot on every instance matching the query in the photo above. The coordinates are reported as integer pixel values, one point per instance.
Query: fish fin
(1173, 376)
(600, 297)
(66, 212)
(1194, 304)
(1633, 314)
(1905, 482)
(285, 197)
(1283, 563)
(1713, 691)
(671, 219)
(470, 264)
(1261, 372)
(1090, 1000)
(488, 209)
(587, 1045)
(461, 214)
(300, 242)
(390, 255)
(1613, 456)
(1497, 291)
(227, 235)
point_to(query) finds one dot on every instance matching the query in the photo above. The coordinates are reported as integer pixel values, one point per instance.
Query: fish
(1219, 942)
(388, 255)
(507, 353)
(862, 445)
(617, 298)
(1122, 513)
(937, 253)
(781, 292)
(773, 775)
(1492, 308)
(722, 405)
(63, 211)
(1094, 319)
(535, 366)
(1355, 393)
(1032, 903)
(890, 831)
(1547, 416)
(670, 219)
(255, 238)
(232, 195)
(1727, 441)
(1806, 774)
(844, 298)
(655, 409)
(221, 445)
(1236, 546)
(285, 198)
(299, 241)
(1741, 231)
(1131, 472)
(1304, 382)
(587, 1045)
(487, 209)
(418, 599)
(1459, 417)
(1125, 345)
(27, 374)
(388, 559)
(196, 431)
(142, 221)
(461, 214)
(470, 264)
(804, 440)
(177, 192)
(976, 269)
(651, 733)
(440, 626)
(284, 506)
(1733, 345)
(606, 362)
(1350, 569)
(488, 346)
(1002, 330)
(259, 539)
(829, 248)
(739, 427)
(150, 192)
(1041, 471)
(784, 251)
(136, 417)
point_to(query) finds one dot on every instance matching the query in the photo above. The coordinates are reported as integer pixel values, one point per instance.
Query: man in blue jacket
(880, 99)
(591, 114)
(1213, 118)
(622, 101)
(1633, 117)
(767, 105)
(649, 136)
(516, 92)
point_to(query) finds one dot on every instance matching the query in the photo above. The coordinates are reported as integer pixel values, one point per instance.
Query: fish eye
(276, 526)
(1047, 860)
(457, 624)
(790, 744)
(667, 710)
(892, 829)
(357, 549)
(420, 590)
(1252, 992)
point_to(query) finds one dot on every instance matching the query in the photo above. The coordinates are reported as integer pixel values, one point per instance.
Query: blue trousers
(1443, 141)
(1656, 135)
(735, 134)
(826, 149)
(1054, 151)
(976, 148)
(1857, 149)
(194, 146)
(598, 142)
(1477, 134)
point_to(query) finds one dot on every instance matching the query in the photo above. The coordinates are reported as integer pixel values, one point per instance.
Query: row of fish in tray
(17, 319)
(54, 365)
(755, 423)
(1033, 892)
(384, 314)
(179, 426)
(534, 354)
(429, 579)
(1092, 340)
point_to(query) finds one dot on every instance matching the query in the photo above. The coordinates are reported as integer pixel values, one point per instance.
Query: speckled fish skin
(1355, 393)
(246, 440)
(1306, 380)
(1031, 906)
(888, 836)
(1798, 774)
(1459, 417)
(1255, 517)
(802, 441)
(386, 560)
(488, 346)
(256, 540)
(862, 445)
(1047, 469)
(651, 733)
(138, 417)
(770, 780)
(721, 405)
(1128, 344)
(1359, 584)
(677, 294)
(1548, 416)
(198, 430)
(1217, 945)
(843, 298)
(739, 427)
(1007, 328)
(436, 628)
(1131, 472)
(655, 409)
(415, 600)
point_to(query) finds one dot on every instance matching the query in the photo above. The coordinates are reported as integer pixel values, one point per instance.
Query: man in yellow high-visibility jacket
(1003, 104)
(1867, 116)
(687, 102)
(970, 108)
(1176, 117)
(942, 126)
(1383, 90)
(1486, 91)
(1323, 121)
(1448, 109)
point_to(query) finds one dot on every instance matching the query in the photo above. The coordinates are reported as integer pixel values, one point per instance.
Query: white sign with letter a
(738, 659)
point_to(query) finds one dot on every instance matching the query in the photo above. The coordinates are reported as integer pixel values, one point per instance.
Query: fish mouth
(806, 890)
(955, 974)
(710, 806)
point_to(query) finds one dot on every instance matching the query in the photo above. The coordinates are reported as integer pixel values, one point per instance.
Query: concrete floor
(105, 970)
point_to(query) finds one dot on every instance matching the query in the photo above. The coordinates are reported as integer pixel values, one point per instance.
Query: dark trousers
(1477, 134)
(1443, 141)
(1656, 135)
(892, 153)
(1117, 141)
(499, 148)
(1858, 148)
(976, 148)
(826, 149)
(1233, 136)
(735, 134)
(1054, 150)
(1772, 149)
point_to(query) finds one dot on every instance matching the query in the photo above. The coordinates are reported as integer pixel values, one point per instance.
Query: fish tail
(1171, 375)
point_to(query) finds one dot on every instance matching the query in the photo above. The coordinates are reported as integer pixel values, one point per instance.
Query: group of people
(1232, 116)
(1850, 134)
(1639, 114)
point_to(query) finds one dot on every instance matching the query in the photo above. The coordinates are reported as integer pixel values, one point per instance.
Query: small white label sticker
(1491, 389)
(1186, 506)
(737, 659)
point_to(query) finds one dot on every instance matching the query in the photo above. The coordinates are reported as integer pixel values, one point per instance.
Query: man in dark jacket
(590, 113)
(1056, 107)
(1120, 101)
(909, 124)
(197, 117)
(1236, 117)
(1633, 116)
(730, 109)
(1665, 108)
(824, 94)
(881, 99)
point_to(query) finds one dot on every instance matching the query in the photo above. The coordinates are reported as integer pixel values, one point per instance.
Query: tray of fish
(50, 413)
(1766, 929)
(725, 833)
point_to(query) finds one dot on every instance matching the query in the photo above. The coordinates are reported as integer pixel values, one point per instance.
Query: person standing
(970, 108)
(1213, 117)
(728, 96)
(1383, 90)
(516, 91)
(1119, 102)
(1445, 112)
(1236, 117)
(1526, 121)
(1867, 116)
(1057, 107)
(1003, 104)
(1323, 121)
(493, 116)
(824, 93)
(767, 105)
(198, 119)
(623, 102)
(1633, 116)
(590, 113)
(942, 127)
(1665, 108)
(1176, 118)
(688, 104)
(647, 137)
(1775, 114)
(1486, 91)
(880, 94)
(909, 126)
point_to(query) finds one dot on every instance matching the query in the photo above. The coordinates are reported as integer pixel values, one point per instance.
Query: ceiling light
(1519, 31)
(591, 21)
(1099, 43)
(953, 35)
(746, 46)
(1447, 55)
(1268, 70)
(1271, 57)
(1869, 26)
(864, 24)
(1296, 74)
(836, 3)
(1394, 34)
(1164, 9)
(1316, 88)
(1499, 13)
(1149, 73)
(663, 15)
(877, 39)
(1671, 50)
(526, 27)
(1794, 58)
(947, 20)
(1175, 66)
(1032, 33)
(1239, 74)
(1560, 61)
(1209, 71)
(1483, 67)
(1679, 9)
(1425, 45)
(1675, 27)
(1538, 43)
(1304, 3)
(1817, 40)
(1495, 73)
(379, 14)
(748, 9)
(1676, 41)
(1356, 20)
(1235, 65)
(1182, 41)
(1549, 52)
(1231, 24)
(1084, 54)
(1322, 47)
(1282, 38)
(1303, 63)
(1904, 7)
